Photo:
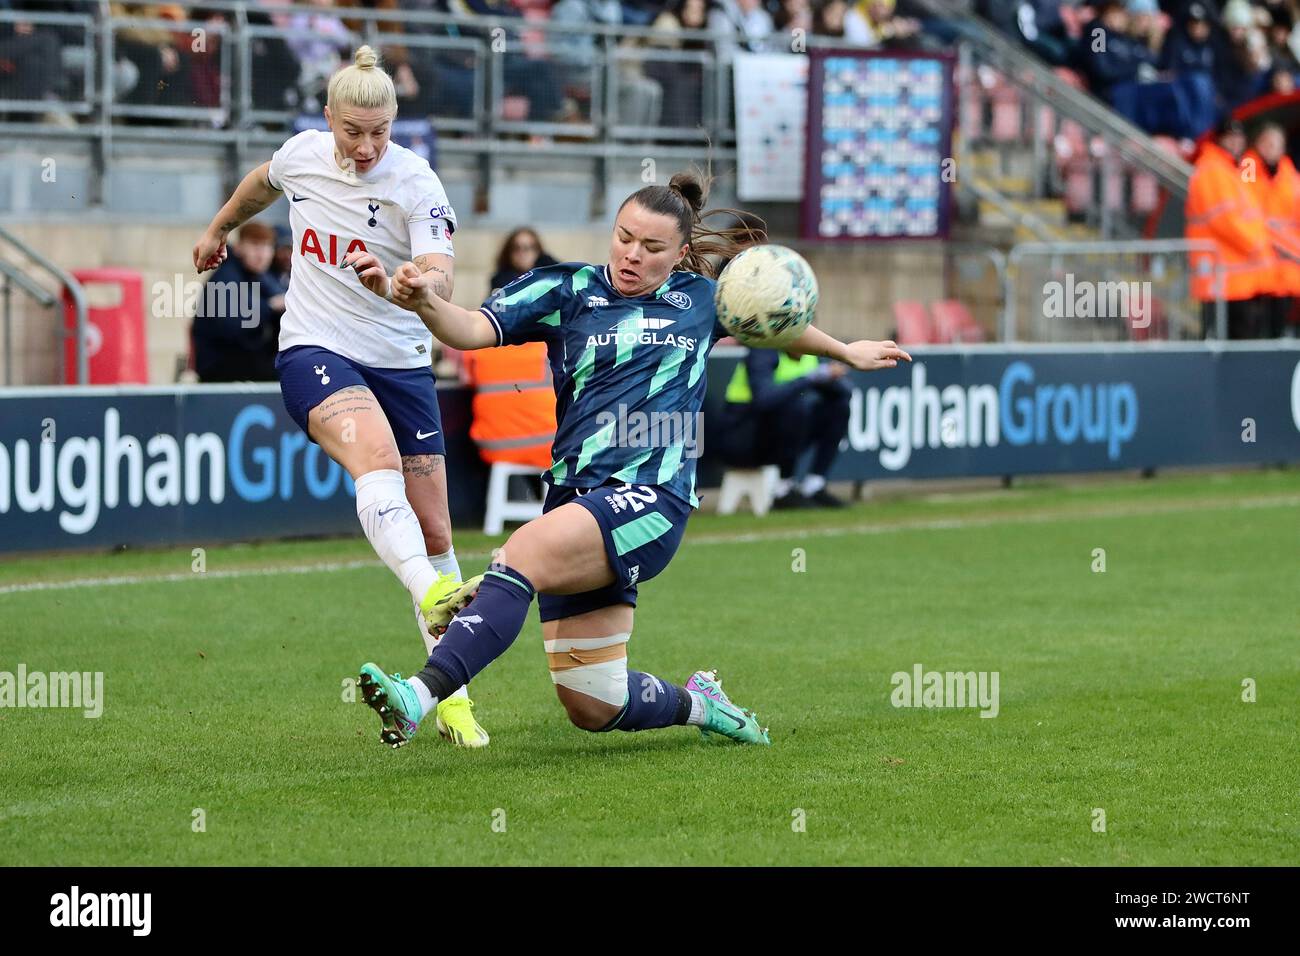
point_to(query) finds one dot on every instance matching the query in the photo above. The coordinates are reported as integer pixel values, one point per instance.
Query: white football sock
(696, 719)
(423, 695)
(446, 563)
(394, 530)
(812, 484)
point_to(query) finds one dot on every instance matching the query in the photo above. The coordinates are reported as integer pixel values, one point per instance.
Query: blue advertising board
(100, 467)
(991, 410)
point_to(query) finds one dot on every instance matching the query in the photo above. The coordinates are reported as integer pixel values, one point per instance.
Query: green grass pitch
(1119, 691)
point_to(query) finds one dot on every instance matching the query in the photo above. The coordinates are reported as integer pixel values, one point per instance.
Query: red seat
(913, 322)
(1068, 75)
(1146, 192)
(1008, 123)
(954, 323)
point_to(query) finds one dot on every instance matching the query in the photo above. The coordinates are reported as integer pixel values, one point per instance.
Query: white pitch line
(775, 534)
(182, 576)
(953, 524)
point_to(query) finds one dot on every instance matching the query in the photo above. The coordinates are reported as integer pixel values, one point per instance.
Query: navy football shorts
(642, 525)
(408, 397)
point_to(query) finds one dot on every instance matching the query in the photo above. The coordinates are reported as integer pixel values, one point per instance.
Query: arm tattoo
(421, 466)
(440, 279)
(246, 210)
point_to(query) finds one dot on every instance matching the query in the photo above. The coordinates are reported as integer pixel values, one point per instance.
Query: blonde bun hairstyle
(363, 85)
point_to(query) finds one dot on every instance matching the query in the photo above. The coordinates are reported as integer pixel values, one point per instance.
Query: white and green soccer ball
(766, 296)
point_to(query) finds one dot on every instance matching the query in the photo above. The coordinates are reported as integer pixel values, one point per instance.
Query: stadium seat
(913, 324)
(1145, 191)
(1008, 123)
(500, 508)
(954, 323)
(756, 483)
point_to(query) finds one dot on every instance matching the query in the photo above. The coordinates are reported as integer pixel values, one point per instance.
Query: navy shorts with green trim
(642, 525)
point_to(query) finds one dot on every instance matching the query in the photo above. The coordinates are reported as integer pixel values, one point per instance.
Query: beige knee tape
(595, 666)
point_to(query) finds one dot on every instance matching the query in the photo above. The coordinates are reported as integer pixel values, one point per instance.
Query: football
(766, 296)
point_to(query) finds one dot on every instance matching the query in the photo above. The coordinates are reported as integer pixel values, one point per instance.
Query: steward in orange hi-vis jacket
(514, 404)
(1271, 175)
(1223, 209)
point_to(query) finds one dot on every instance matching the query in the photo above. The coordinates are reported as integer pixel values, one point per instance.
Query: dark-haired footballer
(629, 337)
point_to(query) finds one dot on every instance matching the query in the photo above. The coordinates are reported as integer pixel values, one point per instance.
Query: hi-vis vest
(1222, 209)
(787, 370)
(1278, 196)
(514, 404)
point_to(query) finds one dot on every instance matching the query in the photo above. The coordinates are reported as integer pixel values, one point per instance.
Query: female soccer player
(625, 338)
(355, 372)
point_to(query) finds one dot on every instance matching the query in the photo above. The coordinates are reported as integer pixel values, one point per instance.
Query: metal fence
(1107, 291)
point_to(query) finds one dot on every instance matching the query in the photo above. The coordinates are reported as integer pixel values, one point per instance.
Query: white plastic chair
(500, 508)
(756, 483)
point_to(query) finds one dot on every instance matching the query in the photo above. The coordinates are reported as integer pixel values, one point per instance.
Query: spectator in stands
(161, 68)
(1037, 23)
(521, 252)
(31, 63)
(275, 69)
(829, 21)
(1121, 70)
(640, 98)
(526, 73)
(1223, 210)
(580, 48)
(682, 81)
(642, 13)
(777, 409)
(739, 25)
(1280, 34)
(319, 40)
(873, 23)
(229, 344)
(793, 21)
(1269, 172)
(413, 68)
(1191, 46)
(1147, 25)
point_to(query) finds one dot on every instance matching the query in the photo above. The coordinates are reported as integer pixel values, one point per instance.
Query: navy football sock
(651, 703)
(480, 633)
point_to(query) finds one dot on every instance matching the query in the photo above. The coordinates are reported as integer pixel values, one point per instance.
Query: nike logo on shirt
(297, 198)
(421, 436)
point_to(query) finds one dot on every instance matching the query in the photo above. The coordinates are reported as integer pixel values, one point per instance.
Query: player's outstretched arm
(253, 195)
(864, 355)
(450, 324)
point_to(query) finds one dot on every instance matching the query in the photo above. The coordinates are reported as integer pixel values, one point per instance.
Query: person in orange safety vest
(1222, 209)
(514, 404)
(1269, 172)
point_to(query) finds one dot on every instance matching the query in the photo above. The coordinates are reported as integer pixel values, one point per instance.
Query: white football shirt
(397, 211)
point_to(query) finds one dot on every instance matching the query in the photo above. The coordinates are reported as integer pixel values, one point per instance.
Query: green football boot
(393, 699)
(445, 599)
(455, 722)
(723, 720)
